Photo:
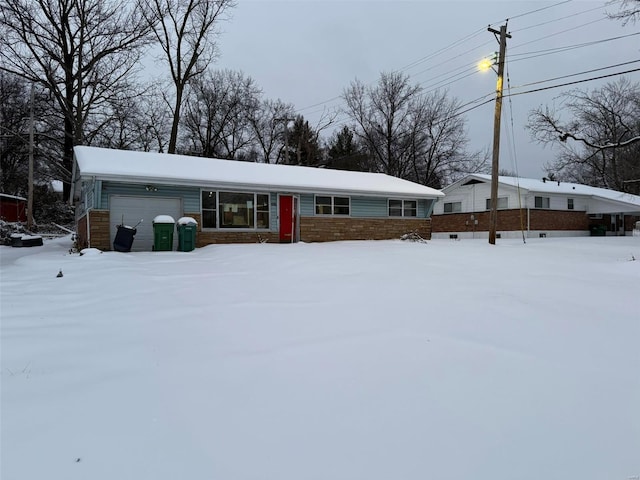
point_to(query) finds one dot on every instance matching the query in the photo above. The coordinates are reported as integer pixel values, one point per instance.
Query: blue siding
(364, 207)
(190, 195)
(425, 208)
(307, 205)
(89, 196)
(369, 207)
(97, 194)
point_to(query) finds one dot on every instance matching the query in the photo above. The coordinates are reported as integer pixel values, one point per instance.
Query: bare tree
(438, 143)
(409, 134)
(269, 125)
(78, 50)
(186, 31)
(218, 114)
(14, 145)
(600, 143)
(628, 11)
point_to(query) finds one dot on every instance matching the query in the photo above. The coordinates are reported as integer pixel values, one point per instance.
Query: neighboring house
(235, 201)
(12, 208)
(539, 208)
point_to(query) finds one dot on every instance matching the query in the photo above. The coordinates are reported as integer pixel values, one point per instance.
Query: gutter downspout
(528, 220)
(89, 227)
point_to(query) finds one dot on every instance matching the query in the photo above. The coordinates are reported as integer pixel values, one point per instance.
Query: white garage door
(134, 209)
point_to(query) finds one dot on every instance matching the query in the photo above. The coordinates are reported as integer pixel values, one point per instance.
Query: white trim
(219, 228)
(403, 200)
(295, 210)
(332, 214)
(12, 197)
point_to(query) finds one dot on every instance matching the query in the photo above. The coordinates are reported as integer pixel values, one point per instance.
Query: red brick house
(539, 208)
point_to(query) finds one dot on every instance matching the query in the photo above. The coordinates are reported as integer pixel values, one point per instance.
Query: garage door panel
(131, 210)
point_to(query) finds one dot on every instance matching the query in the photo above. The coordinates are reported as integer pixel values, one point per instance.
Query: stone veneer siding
(204, 238)
(512, 220)
(312, 229)
(326, 229)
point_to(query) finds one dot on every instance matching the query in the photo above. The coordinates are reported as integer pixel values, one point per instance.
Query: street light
(486, 63)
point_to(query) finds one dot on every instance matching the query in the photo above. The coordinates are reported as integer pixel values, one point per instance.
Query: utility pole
(286, 121)
(30, 187)
(493, 216)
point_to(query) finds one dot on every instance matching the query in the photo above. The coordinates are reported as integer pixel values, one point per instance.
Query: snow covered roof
(554, 187)
(151, 167)
(12, 197)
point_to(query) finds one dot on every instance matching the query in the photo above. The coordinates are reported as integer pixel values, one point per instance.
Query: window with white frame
(235, 210)
(569, 203)
(332, 205)
(452, 207)
(403, 208)
(503, 202)
(541, 202)
(209, 203)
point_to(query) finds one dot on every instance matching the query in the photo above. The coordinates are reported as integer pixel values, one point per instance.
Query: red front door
(287, 218)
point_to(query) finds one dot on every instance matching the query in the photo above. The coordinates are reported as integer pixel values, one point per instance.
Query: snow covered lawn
(337, 361)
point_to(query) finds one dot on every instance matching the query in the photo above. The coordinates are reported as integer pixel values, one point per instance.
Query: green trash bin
(163, 233)
(187, 228)
(598, 230)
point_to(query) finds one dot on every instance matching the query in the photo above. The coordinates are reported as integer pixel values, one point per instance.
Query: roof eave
(260, 187)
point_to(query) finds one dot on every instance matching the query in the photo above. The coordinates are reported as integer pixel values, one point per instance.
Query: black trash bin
(124, 238)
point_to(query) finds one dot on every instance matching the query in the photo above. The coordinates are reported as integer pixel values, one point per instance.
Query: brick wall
(558, 220)
(512, 220)
(312, 229)
(99, 233)
(212, 237)
(319, 229)
(630, 222)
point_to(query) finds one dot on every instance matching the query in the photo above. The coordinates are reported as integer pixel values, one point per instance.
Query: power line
(459, 73)
(566, 48)
(573, 15)
(560, 32)
(576, 74)
(531, 12)
(574, 83)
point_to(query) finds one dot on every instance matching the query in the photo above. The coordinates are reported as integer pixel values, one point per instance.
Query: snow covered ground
(337, 361)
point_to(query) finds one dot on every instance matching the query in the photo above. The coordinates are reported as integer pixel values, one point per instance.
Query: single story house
(539, 208)
(236, 202)
(12, 208)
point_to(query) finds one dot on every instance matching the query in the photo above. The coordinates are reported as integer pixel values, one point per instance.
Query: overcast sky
(306, 52)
